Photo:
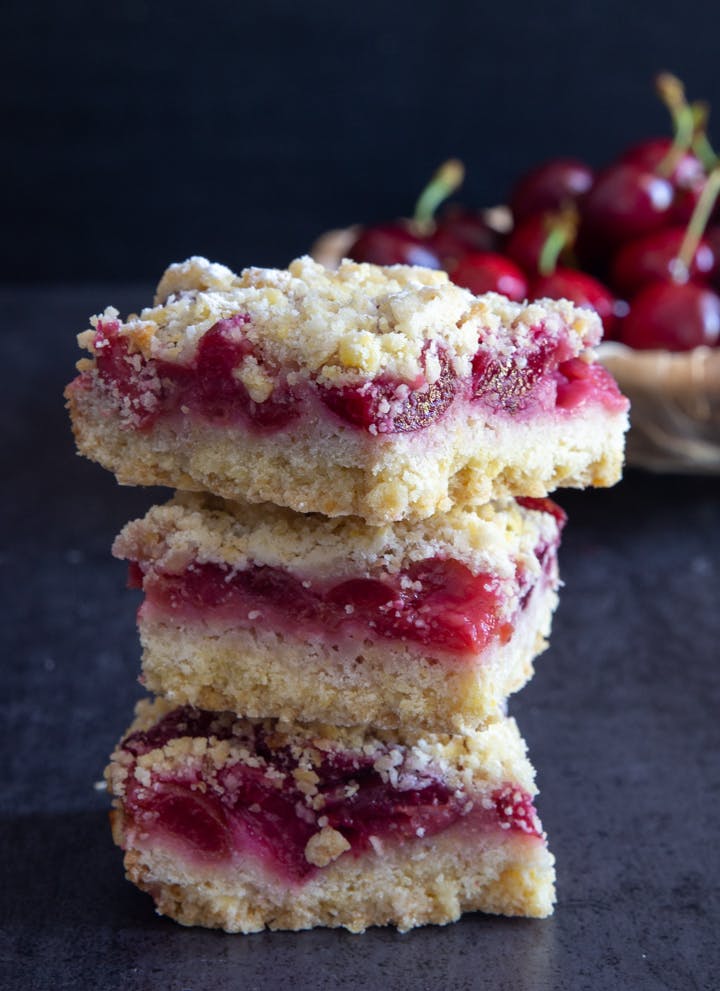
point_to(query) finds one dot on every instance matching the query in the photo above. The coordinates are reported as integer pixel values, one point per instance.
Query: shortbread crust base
(388, 684)
(432, 880)
(339, 471)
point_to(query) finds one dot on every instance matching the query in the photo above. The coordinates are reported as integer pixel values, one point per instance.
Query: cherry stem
(562, 229)
(672, 92)
(446, 180)
(700, 143)
(696, 226)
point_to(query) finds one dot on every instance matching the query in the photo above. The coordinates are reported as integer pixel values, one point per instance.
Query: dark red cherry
(468, 227)
(625, 202)
(392, 244)
(650, 155)
(581, 289)
(527, 241)
(712, 237)
(654, 258)
(550, 187)
(482, 271)
(673, 316)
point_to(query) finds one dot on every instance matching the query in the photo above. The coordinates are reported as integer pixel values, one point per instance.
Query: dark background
(136, 132)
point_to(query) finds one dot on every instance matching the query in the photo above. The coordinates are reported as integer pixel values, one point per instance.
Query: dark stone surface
(621, 719)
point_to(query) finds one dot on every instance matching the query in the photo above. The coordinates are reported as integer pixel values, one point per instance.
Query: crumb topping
(471, 762)
(340, 327)
(491, 537)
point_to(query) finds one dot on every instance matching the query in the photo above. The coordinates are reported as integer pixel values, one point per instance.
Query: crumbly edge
(429, 881)
(489, 538)
(470, 761)
(459, 460)
(340, 327)
(389, 684)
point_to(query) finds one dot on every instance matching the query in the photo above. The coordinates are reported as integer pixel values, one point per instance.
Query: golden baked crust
(318, 330)
(406, 883)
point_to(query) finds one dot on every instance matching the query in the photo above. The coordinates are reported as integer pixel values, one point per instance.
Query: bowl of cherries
(638, 241)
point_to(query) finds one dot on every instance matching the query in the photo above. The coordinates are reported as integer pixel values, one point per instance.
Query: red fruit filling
(435, 603)
(386, 405)
(546, 377)
(218, 814)
(207, 387)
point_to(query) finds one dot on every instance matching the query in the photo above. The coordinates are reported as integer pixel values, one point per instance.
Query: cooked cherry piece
(386, 405)
(437, 603)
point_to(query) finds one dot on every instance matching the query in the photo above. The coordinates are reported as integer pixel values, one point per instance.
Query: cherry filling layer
(272, 801)
(435, 603)
(545, 376)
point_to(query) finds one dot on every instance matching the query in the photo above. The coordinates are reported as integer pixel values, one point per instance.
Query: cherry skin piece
(385, 405)
(392, 244)
(673, 316)
(550, 187)
(218, 394)
(508, 385)
(627, 201)
(482, 272)
(581, 289)
(651, 258)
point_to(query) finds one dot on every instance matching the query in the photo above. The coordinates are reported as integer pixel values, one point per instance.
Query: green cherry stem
(700, 142)
(445, 181)
(562, 230)
(696, 226)
(672, 92)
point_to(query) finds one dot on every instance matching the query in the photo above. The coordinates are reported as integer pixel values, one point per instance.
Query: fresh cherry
(463, 228)
(526, 243)
(550, 187)
(654, 258)
(687, 170)
(392, 244)
(581, 289)
(626, 201)
(673, 316)
(482, 272)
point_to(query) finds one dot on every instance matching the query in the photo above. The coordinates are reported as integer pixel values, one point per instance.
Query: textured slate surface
(622, 720)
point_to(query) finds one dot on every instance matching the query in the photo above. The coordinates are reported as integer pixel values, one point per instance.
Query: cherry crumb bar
(386, 393)
(271, 613)
(244, 824)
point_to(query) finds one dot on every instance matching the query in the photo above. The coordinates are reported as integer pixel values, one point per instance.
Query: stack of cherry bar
(357, 569)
